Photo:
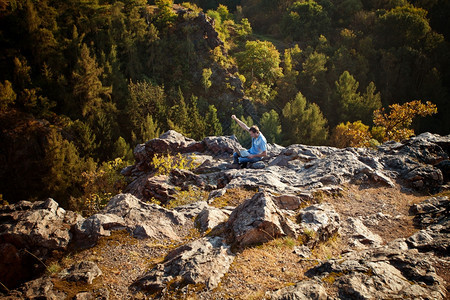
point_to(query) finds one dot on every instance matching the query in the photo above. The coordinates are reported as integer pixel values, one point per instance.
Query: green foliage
(259, 61)
(402, 25)
(206, 82)
(145, 100)
(166, 16)
(88, 88)
(352, 105)
(149, 129)
(7, 95)
(271, 126)
(65, 167)
(212, 123)
(196, 125)
(305, 21)
(122, 150)
(99, 186)
(303, 123)
(83, 137)
(164, 164)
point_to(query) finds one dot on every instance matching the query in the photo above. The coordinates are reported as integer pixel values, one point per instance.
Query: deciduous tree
(398, 120)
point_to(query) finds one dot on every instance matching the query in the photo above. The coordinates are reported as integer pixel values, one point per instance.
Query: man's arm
(240, 123)
(262, 154)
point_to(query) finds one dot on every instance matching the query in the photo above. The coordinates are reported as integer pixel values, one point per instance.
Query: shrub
(164, 164)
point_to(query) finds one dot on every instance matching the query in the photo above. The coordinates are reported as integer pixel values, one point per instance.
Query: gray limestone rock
(204, 261)
(258, 220)
(319, 222)
(303, 290)
(125, 211)
(85, 271)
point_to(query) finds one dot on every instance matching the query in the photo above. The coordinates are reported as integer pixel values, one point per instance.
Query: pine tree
(149, 129)
(304, 123)
(213, 126)
(88, 88)
(206, 82)
(196, 122)
(179, 115)
(83, 138)
(64, 167)
(122, 150)
(271, 126)
(7, 95)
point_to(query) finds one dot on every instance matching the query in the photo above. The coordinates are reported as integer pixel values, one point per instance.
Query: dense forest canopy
(83, 82)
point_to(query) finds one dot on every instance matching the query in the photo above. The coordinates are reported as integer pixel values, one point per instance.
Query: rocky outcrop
(29, 232)
(125, 211)
(359, 236)
(307, 290)
(299, 169)
(258, 220)
(203, 262)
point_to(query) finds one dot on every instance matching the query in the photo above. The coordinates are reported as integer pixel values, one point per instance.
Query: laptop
(242, 152)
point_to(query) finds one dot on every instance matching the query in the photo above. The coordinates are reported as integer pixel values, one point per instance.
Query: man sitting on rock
(258, 149)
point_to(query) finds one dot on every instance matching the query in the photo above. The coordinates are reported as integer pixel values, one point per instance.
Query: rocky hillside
(308, 222)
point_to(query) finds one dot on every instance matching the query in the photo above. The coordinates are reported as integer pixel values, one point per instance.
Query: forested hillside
(83, 82)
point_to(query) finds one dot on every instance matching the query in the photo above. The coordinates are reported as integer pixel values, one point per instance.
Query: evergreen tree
(149, 129)
(83, 138)
(179, 115)
(88, 88)
(304, 123)
(122, 150)
(206, 82)
(271, 126)
(145, 99)
(64, 167)
(7, 95)
(196, 123)
(348, 97)
(352, 105)
(213, 126)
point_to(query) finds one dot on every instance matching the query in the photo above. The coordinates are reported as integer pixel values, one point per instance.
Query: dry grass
(233, 197)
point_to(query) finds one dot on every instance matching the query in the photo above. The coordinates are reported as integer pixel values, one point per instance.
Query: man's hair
(254, 129)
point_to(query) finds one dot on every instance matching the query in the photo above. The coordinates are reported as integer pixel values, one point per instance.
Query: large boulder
(29, 232)
(124, 211)
(319, 222)
(258, 220)
(204, 261)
